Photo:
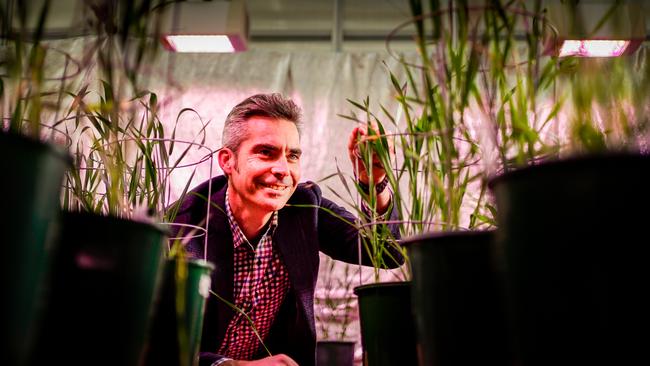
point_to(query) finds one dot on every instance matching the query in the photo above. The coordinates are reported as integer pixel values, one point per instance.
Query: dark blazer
(301, 233)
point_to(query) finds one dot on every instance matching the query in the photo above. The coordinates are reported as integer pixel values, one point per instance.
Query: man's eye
(265, 152)
(294, 157)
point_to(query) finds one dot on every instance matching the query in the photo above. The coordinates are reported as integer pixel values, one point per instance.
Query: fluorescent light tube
(198, 43)
(593, 48)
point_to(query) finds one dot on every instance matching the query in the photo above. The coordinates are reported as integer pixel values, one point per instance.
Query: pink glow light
(199, 43)
(593, 48)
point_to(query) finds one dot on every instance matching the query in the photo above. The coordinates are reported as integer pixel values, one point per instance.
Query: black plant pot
(104, 279)
(177, 324)
(32, 173)
(576, 243)
(387, 328)
(335, 353)
(458, 299)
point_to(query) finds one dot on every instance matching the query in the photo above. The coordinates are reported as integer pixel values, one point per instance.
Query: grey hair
(235, 129)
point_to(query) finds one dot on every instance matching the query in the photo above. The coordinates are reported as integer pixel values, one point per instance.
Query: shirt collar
(238, 236)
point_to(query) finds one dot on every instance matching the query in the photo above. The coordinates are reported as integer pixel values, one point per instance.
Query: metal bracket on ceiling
(337, 26)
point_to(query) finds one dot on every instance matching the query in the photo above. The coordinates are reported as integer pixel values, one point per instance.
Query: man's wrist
(379, 187)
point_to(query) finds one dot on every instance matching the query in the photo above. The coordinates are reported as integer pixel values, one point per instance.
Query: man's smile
(275, 187)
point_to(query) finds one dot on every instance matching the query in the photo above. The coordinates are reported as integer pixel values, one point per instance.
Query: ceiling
(310, 24)
(314, 25)
(364, 24)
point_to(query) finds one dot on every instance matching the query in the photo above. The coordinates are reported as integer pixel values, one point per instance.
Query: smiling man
(264, 237)
(263, 168)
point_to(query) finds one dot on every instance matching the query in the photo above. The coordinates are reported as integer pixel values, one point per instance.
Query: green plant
(29, 93)
(552, 107)
(610, 95)
(472, 104)
(611, 99)
(474, 89)
(122, 151)
(375, 236)
(114, 116)
(111, 123)
(125, 170)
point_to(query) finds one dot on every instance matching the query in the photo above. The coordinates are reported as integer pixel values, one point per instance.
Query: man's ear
(226, 159)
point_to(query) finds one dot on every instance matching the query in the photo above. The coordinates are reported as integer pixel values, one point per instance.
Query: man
(265, 232)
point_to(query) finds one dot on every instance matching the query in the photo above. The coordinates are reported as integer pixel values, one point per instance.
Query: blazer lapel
(299, 252)
(220, 243)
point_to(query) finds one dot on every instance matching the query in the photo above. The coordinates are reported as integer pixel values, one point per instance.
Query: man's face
(265, 171)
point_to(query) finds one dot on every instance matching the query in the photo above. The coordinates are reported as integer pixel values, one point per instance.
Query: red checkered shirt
(261, 282)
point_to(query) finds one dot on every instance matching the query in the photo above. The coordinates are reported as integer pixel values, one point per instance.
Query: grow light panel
(205, 26)
(593, 48)
(198, 43)
(594, 28)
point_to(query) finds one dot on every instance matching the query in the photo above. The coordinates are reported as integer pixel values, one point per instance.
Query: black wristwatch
(379, 187)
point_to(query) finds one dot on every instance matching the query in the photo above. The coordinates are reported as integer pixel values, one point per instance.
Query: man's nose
(280, 167)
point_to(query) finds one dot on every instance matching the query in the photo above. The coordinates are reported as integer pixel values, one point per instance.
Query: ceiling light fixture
(205, 26)
(595, 29)
(593, 48)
